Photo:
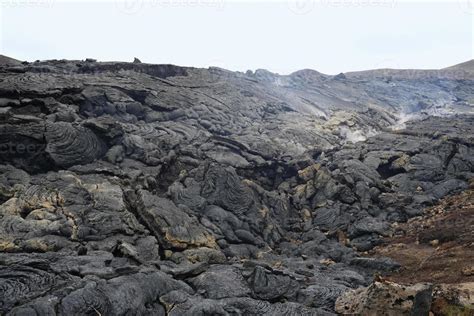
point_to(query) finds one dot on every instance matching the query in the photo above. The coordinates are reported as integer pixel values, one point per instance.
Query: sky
(280, 36)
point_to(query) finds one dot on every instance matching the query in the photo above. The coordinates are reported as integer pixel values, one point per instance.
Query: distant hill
(466, 66)
(459, 71)
(5, 61)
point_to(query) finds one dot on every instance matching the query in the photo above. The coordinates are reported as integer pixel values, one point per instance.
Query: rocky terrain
(441, 238)
(140, 189)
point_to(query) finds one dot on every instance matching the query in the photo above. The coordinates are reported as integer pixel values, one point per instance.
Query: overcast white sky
(281, 36)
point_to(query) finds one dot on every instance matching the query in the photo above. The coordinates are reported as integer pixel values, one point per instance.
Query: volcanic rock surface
(140, 189)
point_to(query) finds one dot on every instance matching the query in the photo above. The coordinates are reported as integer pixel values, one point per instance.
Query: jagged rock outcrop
(131, 188)
(386, 298)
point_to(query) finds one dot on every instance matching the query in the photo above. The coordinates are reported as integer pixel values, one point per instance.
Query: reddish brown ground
(437, 247)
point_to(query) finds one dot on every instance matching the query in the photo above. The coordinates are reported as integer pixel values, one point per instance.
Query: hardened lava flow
(139, 189)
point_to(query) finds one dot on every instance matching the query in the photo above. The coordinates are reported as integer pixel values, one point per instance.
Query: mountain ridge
(466, 66)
